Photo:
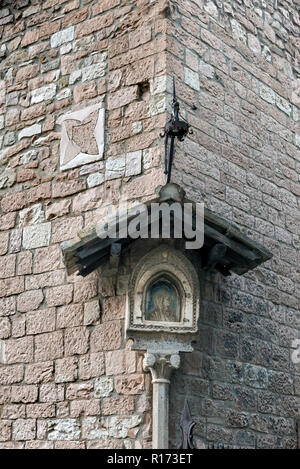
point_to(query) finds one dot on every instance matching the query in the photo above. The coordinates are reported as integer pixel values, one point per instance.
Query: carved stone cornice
(161, 365)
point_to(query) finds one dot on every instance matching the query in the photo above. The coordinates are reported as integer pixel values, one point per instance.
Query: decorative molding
(82, 136)
(161, 366)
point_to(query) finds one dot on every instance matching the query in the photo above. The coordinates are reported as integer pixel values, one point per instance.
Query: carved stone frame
(160, 262)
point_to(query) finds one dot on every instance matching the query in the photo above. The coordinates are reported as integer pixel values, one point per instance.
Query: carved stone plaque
(163, 293)
(82, 136)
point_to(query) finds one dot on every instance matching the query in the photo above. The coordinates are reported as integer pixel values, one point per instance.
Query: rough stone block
(57, 296)
(63, 429)
(38, 373)
(106, 336)
(61, 37)
(18, 350)
(41, 321)
(24, 394)
(30, 300)
(43, 94)
(91, 365)
(51, 392)
(132, 384)
(47, 259)
(66, 370)
(7, 265)
(85, 290)
(11, 374)
(48, 346)
(66, 229)
(84, 407)
(103, 387)
(79, 390)
(76, 341)
(69, 316)
(117, 405)
(5, 430)
(120, 361)
(36, 236)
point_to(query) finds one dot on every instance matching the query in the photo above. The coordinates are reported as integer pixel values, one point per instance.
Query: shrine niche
(163, 293)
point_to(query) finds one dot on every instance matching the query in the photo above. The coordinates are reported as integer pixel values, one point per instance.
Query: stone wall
(68, 379)
(237, 67)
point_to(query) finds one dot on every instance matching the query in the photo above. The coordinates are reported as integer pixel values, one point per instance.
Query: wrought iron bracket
(174, 128)
(186, 426)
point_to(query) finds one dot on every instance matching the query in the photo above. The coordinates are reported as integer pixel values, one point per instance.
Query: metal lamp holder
(174, 128)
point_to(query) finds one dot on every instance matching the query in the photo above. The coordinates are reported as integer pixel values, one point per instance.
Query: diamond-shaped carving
(82, 136)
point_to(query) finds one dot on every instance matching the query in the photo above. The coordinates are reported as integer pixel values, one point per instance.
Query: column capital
(161, 365)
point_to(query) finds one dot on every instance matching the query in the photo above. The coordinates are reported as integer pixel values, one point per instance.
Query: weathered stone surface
(61, 37)
(132, 384)
(30, 300)
(24, 394)
(7, 306)
(118, 426)
(118, 362)
(57, 296)
(5, 328)
(91, 365)
(47, 259)
(66, 229)
(117, 405)
(84, 407)
(103, 387)
(41, 321)
(69, 316)
(18, 350)
(31, 216)
(43, 94)
(95, 179)
(93, 429)
(7, 266)
(91, 312)
(13, 411)
(48, 346)
(4, 237)
(5, 430)
(66, 370)
(38, 373)
(63, 429)
(24, 265)
(36, 236)
(40, 410)
(11, 374)
(106, 336)
(51, 393)
(79, 390)
(57, 209)
(34, 129)
(76, 341)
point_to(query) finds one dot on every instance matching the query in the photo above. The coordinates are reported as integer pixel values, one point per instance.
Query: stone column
(161, 366)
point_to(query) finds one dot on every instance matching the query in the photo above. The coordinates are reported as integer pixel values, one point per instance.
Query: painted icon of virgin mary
(162, 302)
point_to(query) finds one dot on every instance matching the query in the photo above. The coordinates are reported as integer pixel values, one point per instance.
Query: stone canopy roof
(226, 249)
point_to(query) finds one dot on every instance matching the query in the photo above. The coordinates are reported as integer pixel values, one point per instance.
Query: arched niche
(163, 293)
